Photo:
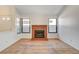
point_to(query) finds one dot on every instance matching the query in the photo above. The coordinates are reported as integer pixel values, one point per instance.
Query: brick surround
(39, 27)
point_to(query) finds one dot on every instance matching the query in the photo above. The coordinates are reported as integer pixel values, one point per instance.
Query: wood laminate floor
(52, 46)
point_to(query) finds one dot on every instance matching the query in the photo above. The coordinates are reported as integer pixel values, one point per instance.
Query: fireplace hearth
(39, 33)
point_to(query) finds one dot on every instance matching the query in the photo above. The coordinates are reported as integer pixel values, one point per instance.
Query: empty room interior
(39, 29)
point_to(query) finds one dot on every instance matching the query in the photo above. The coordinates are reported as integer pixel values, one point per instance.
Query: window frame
(49, 25)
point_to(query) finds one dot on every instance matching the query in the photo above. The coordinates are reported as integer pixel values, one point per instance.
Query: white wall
(6, 39)
(68, 28)
(38, 20)
(9, 37)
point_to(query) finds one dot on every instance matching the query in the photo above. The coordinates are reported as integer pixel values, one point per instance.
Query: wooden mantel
(39, 27)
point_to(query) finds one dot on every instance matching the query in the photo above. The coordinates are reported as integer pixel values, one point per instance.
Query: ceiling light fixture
(8, 18)
(3, 18)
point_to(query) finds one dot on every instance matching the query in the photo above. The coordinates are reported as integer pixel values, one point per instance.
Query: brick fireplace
(39, 32)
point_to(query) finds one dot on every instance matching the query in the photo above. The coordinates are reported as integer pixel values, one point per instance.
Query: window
(22, 25)
(18, 27)
(25, 25)
(52, 26)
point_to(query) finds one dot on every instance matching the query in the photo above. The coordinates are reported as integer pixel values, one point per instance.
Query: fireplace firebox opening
(39, 33)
